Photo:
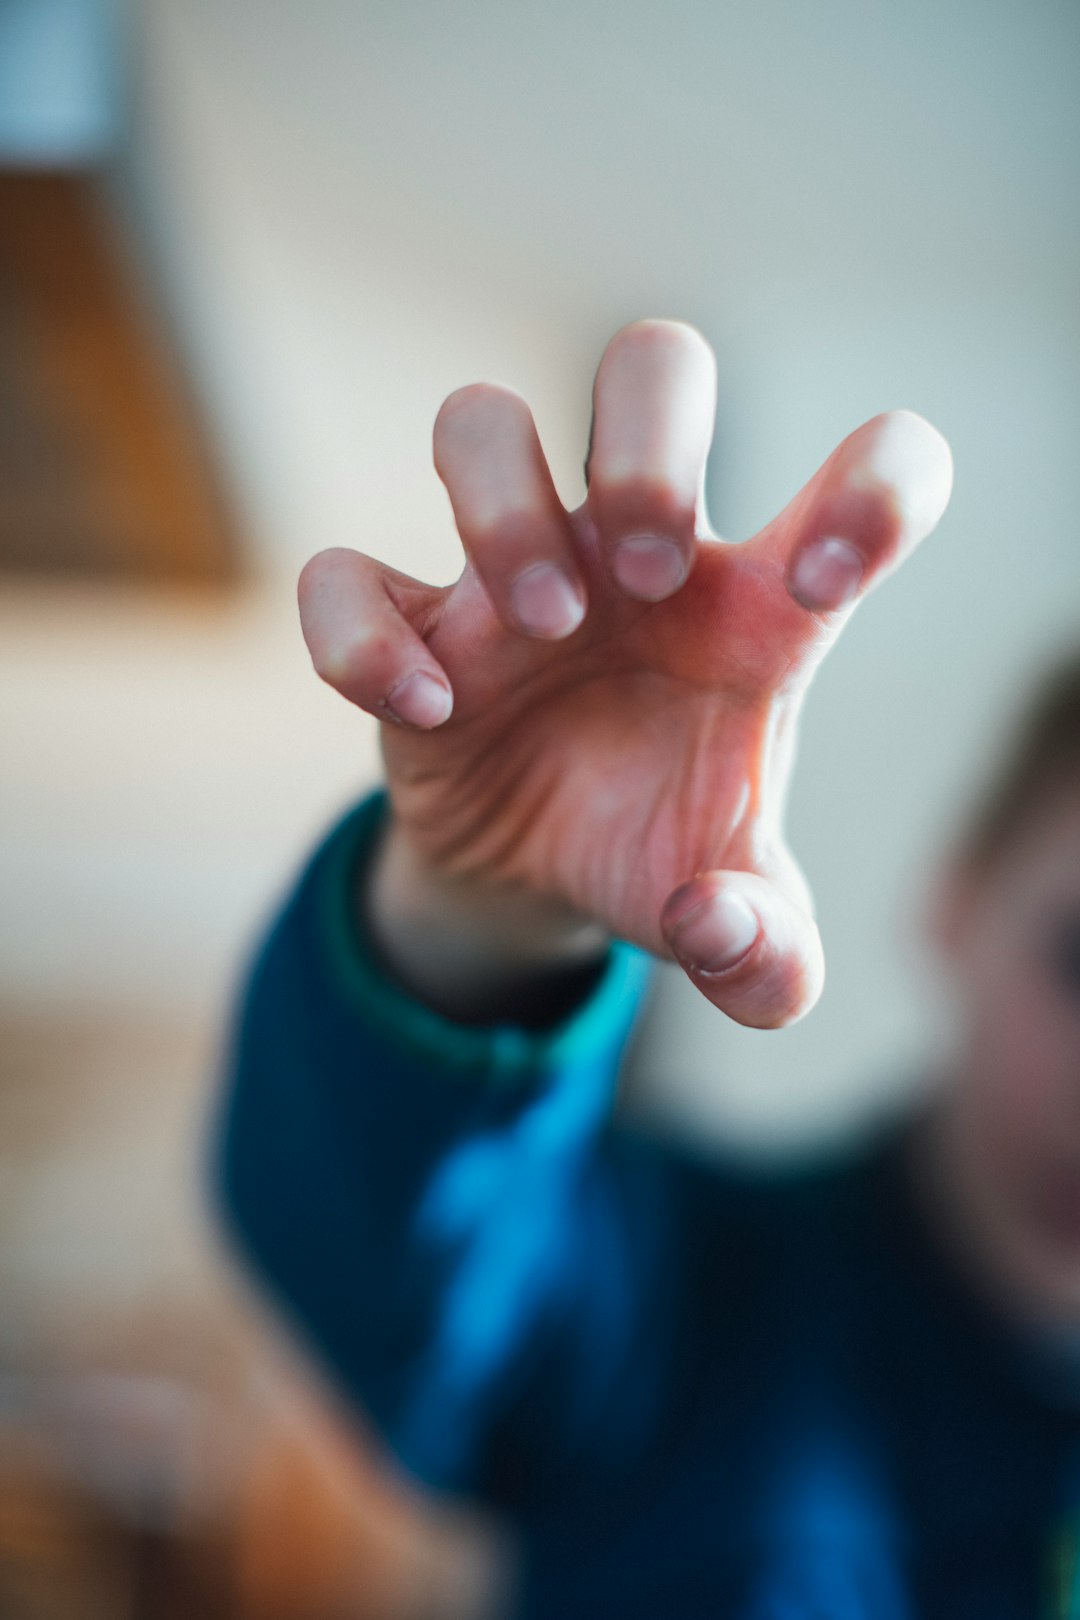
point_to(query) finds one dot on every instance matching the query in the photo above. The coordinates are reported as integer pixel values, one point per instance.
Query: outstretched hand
(599, 715)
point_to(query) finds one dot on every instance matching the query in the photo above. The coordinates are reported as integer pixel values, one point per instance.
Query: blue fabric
(698, 1389)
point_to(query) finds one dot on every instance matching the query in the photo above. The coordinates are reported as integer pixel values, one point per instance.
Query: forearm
(376, 1160)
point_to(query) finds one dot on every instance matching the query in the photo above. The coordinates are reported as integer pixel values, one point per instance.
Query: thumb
(747, 946)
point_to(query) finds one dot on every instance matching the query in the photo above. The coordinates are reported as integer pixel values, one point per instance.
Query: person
(847, 1387)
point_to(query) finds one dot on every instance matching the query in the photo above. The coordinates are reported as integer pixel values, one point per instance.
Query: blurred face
(1008, 1129)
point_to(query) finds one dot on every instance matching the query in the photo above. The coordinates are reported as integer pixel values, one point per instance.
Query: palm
(669, 722)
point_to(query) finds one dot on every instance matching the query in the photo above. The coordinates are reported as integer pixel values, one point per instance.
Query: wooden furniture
(104, 466)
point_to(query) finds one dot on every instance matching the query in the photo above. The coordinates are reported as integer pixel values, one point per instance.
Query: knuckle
(352, 661)
(629, 493)
(327, 667)
(515, 526)
(331, 665)
(865, 512)
(880, 513)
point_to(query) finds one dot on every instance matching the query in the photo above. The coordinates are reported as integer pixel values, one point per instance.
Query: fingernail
(826, 575)
(715, 934)
(420, 700)
(545, 602)
(648, 566)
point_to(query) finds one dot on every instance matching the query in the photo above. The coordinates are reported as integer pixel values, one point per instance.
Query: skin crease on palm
(622, 769)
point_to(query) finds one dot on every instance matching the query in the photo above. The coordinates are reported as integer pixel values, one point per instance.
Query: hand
(596, 722)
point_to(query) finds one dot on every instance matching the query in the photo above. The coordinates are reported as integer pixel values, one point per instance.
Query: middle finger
(654, 404)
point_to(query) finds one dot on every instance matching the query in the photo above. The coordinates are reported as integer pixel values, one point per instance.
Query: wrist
(474, 950)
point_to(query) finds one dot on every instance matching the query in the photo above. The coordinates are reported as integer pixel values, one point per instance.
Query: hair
(1043, 759)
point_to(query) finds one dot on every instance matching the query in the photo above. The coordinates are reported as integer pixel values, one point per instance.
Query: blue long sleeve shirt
(699, 1390)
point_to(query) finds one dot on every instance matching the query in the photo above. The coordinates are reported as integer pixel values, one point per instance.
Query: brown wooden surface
(103, 467)
(165, 1453)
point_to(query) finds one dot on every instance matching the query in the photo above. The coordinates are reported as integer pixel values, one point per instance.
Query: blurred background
(246, 248)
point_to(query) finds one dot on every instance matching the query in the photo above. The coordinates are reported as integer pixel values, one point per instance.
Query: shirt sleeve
(444, 1210)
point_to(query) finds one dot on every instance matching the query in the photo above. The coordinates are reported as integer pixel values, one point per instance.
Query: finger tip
(777, 998)
(912, 458)
(759, 962)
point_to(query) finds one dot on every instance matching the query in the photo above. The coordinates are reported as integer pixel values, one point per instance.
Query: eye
(1064, 955)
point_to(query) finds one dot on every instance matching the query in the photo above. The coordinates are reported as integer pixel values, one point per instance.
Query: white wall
(357, 207)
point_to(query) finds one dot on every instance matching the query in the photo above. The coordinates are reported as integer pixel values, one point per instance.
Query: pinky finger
(749, 948)
(363, 645)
